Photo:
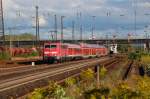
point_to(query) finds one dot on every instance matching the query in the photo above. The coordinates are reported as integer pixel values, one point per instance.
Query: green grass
(4, 56)
(146, 59)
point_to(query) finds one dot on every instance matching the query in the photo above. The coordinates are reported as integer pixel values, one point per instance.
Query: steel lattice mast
(2, 33)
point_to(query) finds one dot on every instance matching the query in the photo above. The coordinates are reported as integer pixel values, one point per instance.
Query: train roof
(85, 45)
(72, 45)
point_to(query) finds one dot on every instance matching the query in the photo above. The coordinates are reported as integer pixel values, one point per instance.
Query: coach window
(78, 50)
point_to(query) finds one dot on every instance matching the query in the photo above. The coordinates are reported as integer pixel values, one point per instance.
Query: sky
(112, 17)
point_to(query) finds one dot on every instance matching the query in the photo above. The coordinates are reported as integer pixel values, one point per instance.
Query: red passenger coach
(65, 51)
(92, 50)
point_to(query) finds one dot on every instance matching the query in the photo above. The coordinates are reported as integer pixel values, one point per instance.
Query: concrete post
(98, 77)
(33, 63)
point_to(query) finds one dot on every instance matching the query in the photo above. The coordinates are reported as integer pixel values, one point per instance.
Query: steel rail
(38, 65)
(28, 70)
(43, 76)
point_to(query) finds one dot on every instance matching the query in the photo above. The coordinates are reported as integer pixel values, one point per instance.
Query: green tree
(134, 56)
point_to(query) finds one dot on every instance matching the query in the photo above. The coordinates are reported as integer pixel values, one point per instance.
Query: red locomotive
(65, 51)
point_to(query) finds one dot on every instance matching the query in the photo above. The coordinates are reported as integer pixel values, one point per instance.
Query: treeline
(20, 37)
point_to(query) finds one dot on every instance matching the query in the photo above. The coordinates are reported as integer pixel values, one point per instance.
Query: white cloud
(69, 8)
(42, 21)
(144, 4)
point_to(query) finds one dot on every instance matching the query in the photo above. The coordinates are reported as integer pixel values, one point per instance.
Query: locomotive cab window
(53, 46)
(47, 46)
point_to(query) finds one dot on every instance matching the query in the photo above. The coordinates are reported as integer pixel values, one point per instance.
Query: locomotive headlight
(46, 52)
(54, 52)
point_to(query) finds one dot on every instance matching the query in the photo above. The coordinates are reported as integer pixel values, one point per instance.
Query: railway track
(20, 84)
(6, 76)
(28, 70)
(17, 63)
(38, 63)
(128, 70)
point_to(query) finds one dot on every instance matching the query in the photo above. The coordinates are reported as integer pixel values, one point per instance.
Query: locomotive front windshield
(53, 46)
(50, 46)
(47, 46)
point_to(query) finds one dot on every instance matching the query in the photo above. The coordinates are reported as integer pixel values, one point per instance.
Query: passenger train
(58, 52)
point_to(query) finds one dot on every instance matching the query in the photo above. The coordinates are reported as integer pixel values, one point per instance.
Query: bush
(70, 81)
(124, 91)
(38, 94)
(135, 87)
(87, 75)
(54, 91)
(33, 54)
(144, 87)
(122, 48)
(103, 72)
(87, 78)
(134, 56)
(97, 93)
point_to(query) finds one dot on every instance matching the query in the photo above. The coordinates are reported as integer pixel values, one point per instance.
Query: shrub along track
(20, 84)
